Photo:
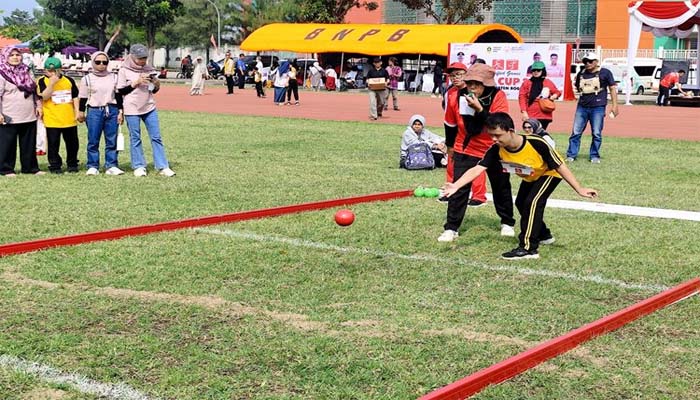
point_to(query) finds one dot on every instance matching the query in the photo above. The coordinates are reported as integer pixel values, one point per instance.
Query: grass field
(295, 307)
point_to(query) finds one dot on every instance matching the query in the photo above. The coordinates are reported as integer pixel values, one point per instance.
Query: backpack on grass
(420, 156)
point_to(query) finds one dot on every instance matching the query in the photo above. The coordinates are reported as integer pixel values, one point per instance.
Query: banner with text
(512, 61)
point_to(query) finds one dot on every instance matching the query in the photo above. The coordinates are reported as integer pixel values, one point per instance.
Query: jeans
(98, 120)
(136, 148)
(595, 116)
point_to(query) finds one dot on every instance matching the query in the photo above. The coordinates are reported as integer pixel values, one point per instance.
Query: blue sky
(10, 5)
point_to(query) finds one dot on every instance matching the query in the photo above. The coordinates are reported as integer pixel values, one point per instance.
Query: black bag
(419, 156)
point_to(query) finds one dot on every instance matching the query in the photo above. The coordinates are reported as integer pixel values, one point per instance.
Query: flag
(213, 41)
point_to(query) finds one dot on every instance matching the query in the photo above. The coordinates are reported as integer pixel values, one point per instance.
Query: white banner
(512, 61)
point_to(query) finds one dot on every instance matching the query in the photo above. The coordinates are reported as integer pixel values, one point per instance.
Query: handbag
(546, 105)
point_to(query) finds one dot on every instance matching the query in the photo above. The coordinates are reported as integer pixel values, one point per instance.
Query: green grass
(295, 307)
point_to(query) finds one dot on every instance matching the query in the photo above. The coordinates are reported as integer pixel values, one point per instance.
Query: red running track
(641, 121)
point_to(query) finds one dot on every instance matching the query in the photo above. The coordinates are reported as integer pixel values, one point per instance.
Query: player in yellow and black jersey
(541, 168)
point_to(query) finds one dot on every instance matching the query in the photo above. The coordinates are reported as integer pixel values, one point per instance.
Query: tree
(20, 25)
(93, 14)
(450, 11)
(152, 15)
(51, 40)
(243, 19)
(330, 11)
(19, 18)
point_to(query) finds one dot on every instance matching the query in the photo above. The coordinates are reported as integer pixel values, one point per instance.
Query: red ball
(344, 217)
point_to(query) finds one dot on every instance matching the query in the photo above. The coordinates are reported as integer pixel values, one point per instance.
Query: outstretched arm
(470, 175)
(569, 177)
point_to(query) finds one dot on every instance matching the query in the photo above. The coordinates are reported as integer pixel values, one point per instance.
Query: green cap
(52, 63)
(537, 65)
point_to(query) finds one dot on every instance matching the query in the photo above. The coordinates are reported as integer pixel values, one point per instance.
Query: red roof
(4, 41)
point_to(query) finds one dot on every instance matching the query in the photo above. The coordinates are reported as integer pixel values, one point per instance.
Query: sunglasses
(536, 70)
(527, 127)
(588, 61)
(101, 62)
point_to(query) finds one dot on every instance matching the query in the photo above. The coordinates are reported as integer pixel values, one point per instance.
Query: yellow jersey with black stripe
(534, 159)
(59, 111)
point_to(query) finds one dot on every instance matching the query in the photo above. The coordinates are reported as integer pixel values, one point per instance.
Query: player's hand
(81, 116)
(615, 111)
(587, 192)
(449, 189)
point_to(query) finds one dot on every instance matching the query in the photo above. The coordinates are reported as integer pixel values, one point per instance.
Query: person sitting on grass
(416, 133)
(541, 168)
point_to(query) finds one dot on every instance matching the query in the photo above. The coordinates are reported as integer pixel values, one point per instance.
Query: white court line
(119, 391)
(620, 209)
(433, 259)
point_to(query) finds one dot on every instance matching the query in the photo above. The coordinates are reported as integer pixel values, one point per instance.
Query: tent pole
(418, 74)
(342, 63)
(697, 62)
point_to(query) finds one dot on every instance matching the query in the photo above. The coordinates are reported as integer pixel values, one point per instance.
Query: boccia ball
(434, 192)
(419, 192)
(344, 217)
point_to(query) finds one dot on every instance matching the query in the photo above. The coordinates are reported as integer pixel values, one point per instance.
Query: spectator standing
(105, 112)
(331, 78)
(280, 82)
(437, 79)
(316, 75)
(241, 70)
(378, 94)
(60, 104)
(592, 83)
(137, 84)
(468, 140)
(293, 87)
(257, 75)
(538, 86)
(199, 77)
(19, 109)
(668, 82)
(229, 71)
(395, 72)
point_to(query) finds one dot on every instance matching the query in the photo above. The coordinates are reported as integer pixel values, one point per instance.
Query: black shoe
(443, 199)
(520, 254)
(56, 171)
(73, 170)
(476, 203)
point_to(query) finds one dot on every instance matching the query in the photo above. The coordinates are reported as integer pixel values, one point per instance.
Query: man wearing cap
(592, 83)
(472, 98)
(377, 92)
(60, 105)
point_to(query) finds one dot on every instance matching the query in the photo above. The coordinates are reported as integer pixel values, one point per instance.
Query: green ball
(434, 192)
(419, 192)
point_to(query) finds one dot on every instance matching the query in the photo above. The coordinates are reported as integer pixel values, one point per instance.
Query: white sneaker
(507, 230)
(167, 172)
(92, 171)
(140, 172)
(114, 171)
(448, 236)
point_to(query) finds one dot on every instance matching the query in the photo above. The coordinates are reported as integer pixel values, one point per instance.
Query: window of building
(588, 14)
(522, 15)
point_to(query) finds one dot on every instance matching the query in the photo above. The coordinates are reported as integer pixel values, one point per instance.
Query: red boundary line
(517, 364)
(33, 245)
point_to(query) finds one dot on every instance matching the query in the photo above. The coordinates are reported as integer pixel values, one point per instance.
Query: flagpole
(218, 16)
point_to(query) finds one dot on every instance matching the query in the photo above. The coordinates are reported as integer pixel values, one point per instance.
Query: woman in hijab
(531, 126)
(281, 81)
(138, 82)
(19, 109)
(316, 75)
(105, 112)
(538, 86)
(200, 74)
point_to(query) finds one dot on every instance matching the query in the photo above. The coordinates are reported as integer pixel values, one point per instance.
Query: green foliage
(93, 14)
(330, 11)
(246, 18)
(19, 25)
(52, 40)
(450, 11)
(152, 15)
(19, 18)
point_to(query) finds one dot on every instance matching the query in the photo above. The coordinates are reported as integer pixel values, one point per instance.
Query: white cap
(590, 56)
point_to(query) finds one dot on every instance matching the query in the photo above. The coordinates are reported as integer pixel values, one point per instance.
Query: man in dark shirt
(377, 90)
(592, 83)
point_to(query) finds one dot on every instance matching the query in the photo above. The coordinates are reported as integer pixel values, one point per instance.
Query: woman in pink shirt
(19, 109)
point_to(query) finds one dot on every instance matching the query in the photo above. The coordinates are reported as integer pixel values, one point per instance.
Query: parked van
(648, 71)
(619, 73)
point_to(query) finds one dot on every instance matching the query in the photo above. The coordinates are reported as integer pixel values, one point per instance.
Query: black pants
(293, 88)
(664, 92)
(241, 79)
(500, 186)
(229, 83)
(70, 137)
(10, 134)
(544, 122)
(259, 89)
(531, 200)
